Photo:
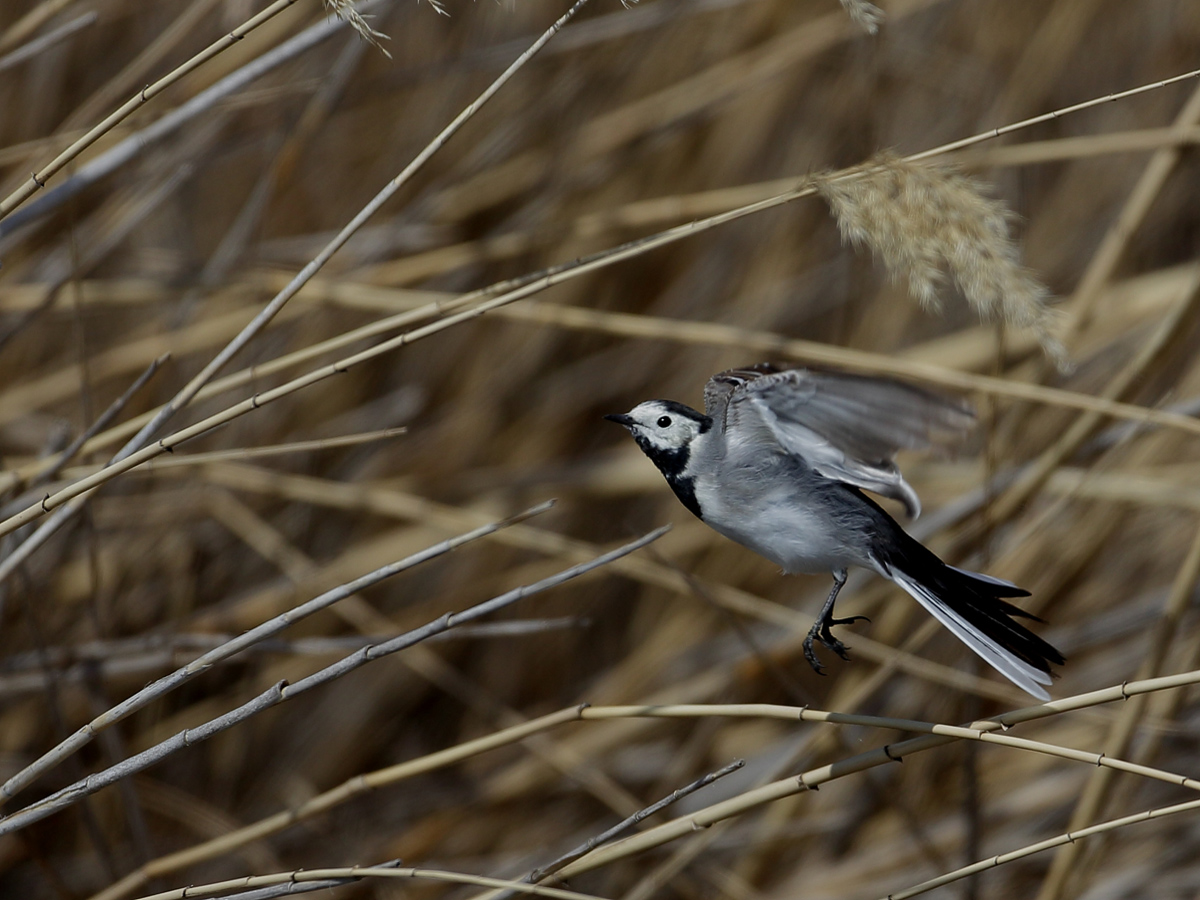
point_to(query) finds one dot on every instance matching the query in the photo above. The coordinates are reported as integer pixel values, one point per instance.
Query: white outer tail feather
(1019, 672)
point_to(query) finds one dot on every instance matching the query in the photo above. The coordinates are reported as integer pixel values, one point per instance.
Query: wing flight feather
(847, 427)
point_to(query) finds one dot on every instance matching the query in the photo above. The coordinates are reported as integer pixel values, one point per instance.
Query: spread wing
(847, 427)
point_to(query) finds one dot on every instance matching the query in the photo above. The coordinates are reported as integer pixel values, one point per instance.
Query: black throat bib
(672, 464)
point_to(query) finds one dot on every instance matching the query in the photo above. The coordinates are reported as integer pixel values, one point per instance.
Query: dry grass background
(629, 122)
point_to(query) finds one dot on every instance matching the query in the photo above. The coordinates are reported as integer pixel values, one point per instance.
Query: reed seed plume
(926, 222)
(864, 14)
(348, 13)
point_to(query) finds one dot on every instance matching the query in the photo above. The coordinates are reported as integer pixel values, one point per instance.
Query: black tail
(970, 605)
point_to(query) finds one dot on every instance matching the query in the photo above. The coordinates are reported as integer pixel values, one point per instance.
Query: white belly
(779, 525)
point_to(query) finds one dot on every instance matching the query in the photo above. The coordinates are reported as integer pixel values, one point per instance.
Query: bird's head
(663, 429)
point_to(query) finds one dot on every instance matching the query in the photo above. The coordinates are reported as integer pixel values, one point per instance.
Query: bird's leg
(820, 629)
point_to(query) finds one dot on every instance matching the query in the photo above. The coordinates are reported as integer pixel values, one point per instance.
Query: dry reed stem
(131, 448)
(137, 69)
(559, 273)
(971, 349)
(1082, 147)
(382, 501)
(45, 42)
(357, 612)
(1121, 733)
(360, 614)
(104, 164)
(851, 692)
(1069, 838)
(1133, 213)
(32, 21)
(38, 180)
(731, 76)
(299, 876)
(354, 787)
(242, 454)
(271, 697)
(123, 659)
(971, 141)
(544, 872)
(805, 714)
(102, 421)
(815, 777)
(809, 351)
(125, 359)
(925, 222)
(1085, 425)
(983, 730)
(168, 683)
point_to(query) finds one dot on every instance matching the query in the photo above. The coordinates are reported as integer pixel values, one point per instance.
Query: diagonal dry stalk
(131, 146)
(816, 777)
(45, 42)
(531, 285)
(283, 691)
(1112, 247)
(1120, 736)
(355, 787)
(32, 21)
(38, 179)
(939, 735)
(170, 682)
(1061, 840)
(131, 449)
(300, 876)
(1149, 354)
(263, 451)
(65, 499)
(406, 507)
(622, 324)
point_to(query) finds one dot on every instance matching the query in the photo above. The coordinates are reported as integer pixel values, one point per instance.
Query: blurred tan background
(629, 122)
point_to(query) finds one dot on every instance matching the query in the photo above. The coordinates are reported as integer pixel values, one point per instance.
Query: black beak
(621, 419)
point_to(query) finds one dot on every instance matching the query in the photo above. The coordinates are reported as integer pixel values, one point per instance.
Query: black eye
(664, 421)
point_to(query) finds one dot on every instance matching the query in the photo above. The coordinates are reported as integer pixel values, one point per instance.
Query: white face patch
(663, 425)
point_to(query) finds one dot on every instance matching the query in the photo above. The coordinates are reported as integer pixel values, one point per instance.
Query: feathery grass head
(864, 14)
(348, 13)
(926, 222)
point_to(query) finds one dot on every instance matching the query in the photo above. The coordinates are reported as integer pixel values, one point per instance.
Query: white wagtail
(779, 463)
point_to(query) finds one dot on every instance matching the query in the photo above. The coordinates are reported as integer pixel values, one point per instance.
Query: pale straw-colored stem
(38, 179)
(162, 686)
(132, 453)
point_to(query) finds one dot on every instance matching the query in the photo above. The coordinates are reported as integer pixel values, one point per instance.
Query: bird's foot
(821, 632)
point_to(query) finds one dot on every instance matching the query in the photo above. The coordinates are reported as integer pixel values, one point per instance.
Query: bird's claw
(811, 654)
(821, 632)
(832, 643)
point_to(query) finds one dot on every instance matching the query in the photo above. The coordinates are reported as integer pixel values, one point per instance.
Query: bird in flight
(779, 462)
